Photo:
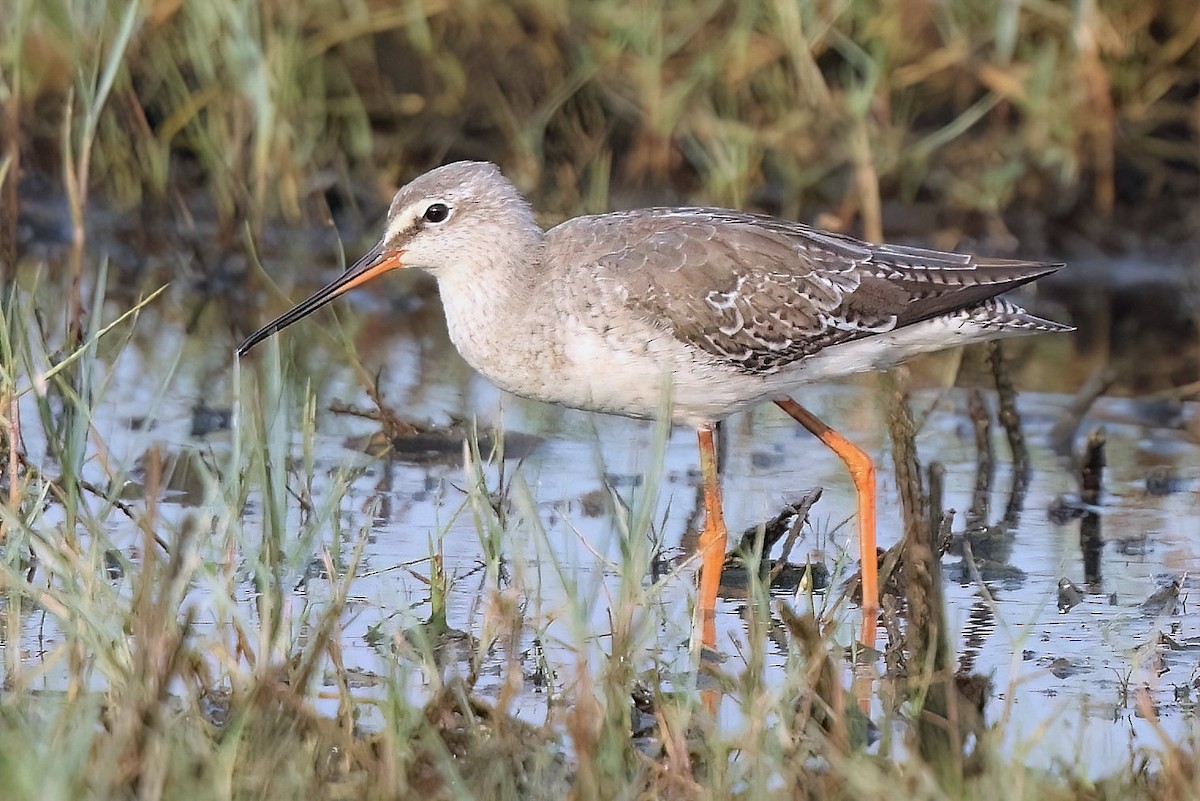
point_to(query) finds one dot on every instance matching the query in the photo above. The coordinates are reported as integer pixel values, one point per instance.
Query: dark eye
(437, 212)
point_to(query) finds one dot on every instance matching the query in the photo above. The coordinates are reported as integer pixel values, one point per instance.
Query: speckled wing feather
(761, 293)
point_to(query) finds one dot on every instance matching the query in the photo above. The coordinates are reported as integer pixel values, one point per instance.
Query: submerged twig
(981, 420)
(1063, 432)
(1091, 485)
(786, 526)
(937, 492)
(1010, 421)
(942, 727)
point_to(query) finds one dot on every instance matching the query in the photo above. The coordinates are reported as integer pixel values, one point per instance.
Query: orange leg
(862, 472)
(712, 541)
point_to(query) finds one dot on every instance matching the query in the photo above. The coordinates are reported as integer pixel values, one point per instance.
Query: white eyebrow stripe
(406, 219)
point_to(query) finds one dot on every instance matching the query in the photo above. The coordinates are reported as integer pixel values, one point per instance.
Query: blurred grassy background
(276, 109)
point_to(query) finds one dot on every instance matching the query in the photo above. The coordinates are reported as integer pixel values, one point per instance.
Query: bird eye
(437, 212)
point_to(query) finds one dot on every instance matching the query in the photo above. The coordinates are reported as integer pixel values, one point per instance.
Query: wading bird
(721, 309)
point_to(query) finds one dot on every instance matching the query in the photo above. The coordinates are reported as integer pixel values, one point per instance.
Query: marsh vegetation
(349, 569)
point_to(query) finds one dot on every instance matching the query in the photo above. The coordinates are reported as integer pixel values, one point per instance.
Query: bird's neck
(491, 298)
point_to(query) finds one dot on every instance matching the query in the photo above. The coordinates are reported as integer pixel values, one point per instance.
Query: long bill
(374, 262)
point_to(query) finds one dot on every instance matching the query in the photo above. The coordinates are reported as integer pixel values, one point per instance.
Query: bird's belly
(646, 376)
(883, 351)
(636, 380)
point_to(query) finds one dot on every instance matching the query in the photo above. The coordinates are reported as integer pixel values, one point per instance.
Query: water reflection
(1003, 573)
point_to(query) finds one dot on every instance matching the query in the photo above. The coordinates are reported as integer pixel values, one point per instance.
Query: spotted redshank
(721, 310)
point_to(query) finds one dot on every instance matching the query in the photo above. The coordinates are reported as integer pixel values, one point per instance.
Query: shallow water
(1069, 683)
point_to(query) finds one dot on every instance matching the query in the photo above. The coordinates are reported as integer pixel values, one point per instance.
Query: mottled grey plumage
(761, 293)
